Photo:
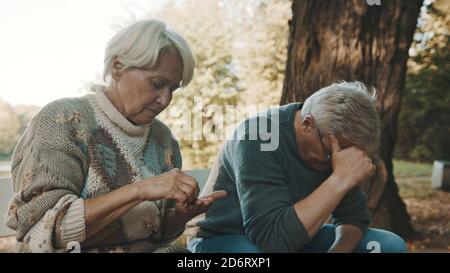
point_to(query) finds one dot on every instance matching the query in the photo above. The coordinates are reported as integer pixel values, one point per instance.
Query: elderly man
(280, 200)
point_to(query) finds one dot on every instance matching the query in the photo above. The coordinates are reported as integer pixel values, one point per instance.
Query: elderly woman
(100, 170)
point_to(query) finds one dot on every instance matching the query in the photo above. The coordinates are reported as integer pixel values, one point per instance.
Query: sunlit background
(49, 48)
(52, 49)
(55, 49)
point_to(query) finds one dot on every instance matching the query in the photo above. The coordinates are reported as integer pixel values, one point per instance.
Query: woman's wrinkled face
(144, 93)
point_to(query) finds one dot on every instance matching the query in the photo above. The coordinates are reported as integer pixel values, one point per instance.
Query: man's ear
(308, 123)
(117, 69)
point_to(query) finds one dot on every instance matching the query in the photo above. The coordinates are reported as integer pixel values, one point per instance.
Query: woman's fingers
(184, 183)
(206, 201)
(200, 205)
(216, 195)
(196, 204)
(178, 195)
(188, 190)
(191, 182)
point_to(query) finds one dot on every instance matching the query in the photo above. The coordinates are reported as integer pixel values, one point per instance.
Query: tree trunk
(333, 40)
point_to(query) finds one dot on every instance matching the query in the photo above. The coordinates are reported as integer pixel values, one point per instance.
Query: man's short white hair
(346, 109)
(139, 45)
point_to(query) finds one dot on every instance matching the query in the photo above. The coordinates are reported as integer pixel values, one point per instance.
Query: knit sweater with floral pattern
(80, 148)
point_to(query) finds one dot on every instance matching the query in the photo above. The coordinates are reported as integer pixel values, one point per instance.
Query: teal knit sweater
(263, 186)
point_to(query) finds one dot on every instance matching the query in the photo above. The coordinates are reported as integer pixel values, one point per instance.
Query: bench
(440, 178)
(6, 194)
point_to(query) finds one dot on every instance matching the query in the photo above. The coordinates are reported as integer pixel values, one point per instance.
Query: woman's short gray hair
(346, 109)
(139, 45)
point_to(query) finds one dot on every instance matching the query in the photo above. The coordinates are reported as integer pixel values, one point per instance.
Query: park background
(260, 52)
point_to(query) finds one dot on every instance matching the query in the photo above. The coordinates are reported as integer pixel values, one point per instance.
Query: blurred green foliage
(424, 120)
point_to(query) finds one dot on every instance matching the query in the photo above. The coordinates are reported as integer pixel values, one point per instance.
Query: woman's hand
(172, 185)
(199, 206)
(176, 218)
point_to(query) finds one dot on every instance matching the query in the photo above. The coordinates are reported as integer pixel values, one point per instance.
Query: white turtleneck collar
(115, 116)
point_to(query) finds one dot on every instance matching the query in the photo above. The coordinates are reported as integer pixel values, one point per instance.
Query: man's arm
(315, 209)
(271, 219)
(351, 167)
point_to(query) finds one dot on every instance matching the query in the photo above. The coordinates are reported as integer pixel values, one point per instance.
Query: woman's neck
(113, 96)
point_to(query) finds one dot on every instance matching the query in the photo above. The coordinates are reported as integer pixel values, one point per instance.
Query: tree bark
(334, 40)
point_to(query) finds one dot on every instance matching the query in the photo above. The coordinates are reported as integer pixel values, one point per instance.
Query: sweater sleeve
(353, 210)
(47, 175)
(266, 202)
